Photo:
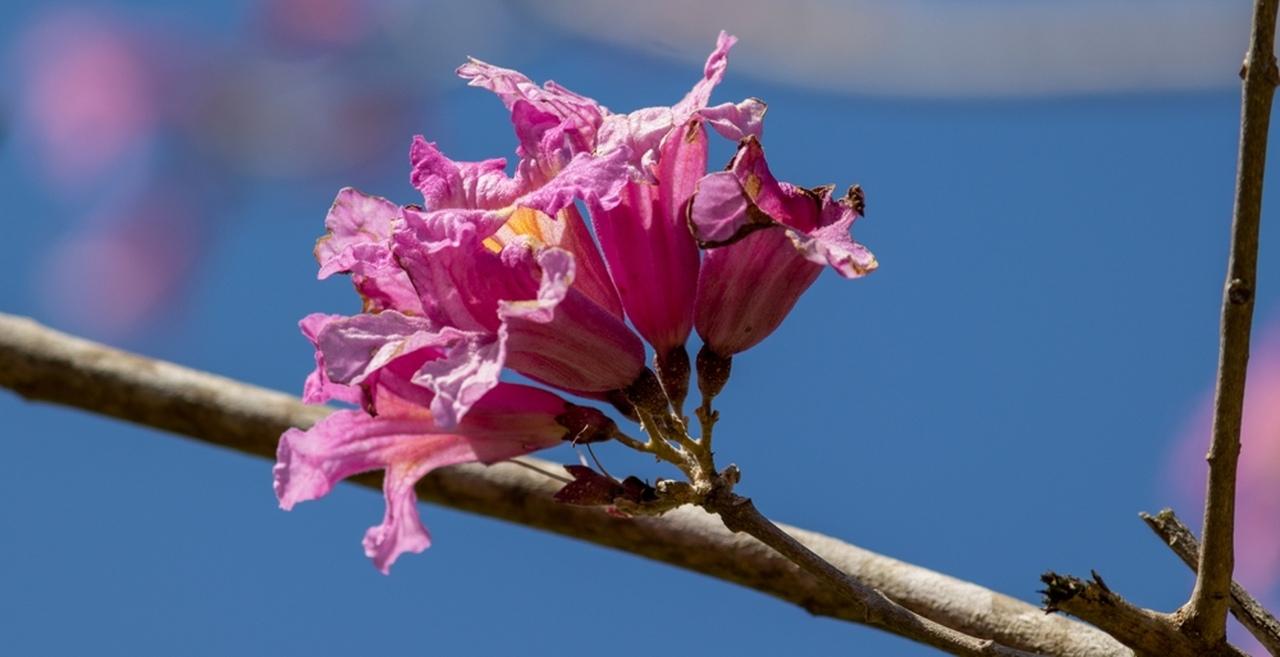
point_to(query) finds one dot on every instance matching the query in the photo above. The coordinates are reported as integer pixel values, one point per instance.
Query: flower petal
(445, 183)
(562, 338)
(354, 219)
(712, 74)
(318, 388)
(736, 121)
(768, 242)
(516, 420)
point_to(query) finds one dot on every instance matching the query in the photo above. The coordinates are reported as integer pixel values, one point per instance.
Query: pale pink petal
(318, 388)
(445, 183)
(712, 74)
(355, 347)
(402, 529)
(736, 121)
(354, 219)
(358, 243)
(467, 370)
(832, 245)
(596, 180)
(517, 420)
(511, 87)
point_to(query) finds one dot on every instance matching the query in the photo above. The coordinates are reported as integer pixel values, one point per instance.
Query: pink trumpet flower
(405, 440)
(652, 258)
(487, 275)
(767, 242)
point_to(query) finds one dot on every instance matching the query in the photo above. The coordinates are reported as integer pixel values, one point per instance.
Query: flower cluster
(495, 272)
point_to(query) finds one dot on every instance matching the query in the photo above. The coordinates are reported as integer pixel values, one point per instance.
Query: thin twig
(1149, 633)
(1205, 613)
(1251, 614)
(875, 609)
(42, 364)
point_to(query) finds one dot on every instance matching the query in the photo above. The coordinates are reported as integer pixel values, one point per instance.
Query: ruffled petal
(831, 243)
(445, 183)
(596, 180)
(318, 388)
(468, 369)
(517, 420)
(712, 74)
(354, 219)
(402, 530)
(355, 347)
(768, 242)
(736, 121)
(358, 243)
(512, 86)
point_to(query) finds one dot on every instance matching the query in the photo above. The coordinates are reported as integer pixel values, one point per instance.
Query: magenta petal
(746, 289)
(778, 238)
(562, 338)
(646, 241)
(719, 212)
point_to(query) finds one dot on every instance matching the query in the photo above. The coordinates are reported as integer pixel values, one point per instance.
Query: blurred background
(1049, 189)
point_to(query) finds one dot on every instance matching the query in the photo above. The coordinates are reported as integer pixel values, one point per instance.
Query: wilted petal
(772, 240)
(830, 244)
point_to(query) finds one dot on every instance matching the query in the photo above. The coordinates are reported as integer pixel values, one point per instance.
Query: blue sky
(997, 400)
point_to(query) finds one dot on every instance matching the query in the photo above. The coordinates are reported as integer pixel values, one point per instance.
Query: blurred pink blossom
(125, 267)
(87, 95)
(1258, 493)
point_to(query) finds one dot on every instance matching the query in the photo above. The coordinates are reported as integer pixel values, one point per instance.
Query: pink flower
(652, 258)
(1258, 484)
(406, 442)
(767, 242)
(491, 276)
(495, 272)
